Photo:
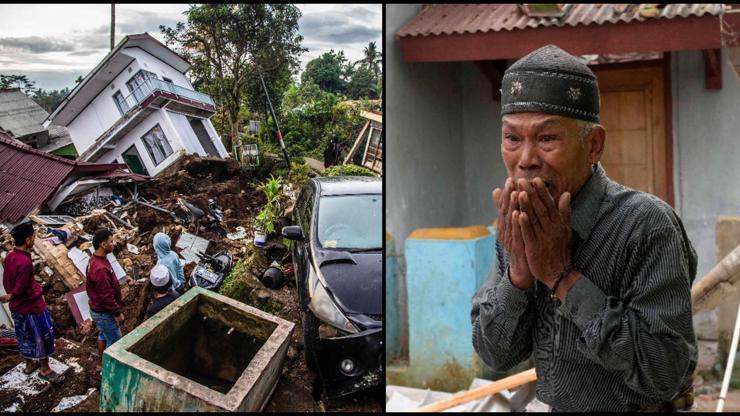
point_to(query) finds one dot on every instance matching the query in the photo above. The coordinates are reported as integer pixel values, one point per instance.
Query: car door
(301, 248)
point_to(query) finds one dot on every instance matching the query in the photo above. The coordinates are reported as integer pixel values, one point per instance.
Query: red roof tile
(447, 19)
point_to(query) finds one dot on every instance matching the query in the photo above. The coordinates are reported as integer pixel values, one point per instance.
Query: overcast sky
(54, 44)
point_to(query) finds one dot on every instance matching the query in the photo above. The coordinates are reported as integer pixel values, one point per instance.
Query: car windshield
(352, 222)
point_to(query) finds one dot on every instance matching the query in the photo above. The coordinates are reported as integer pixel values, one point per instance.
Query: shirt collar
(586, 203)
(24, 252)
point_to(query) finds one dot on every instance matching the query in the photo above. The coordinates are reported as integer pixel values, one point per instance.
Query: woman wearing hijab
(169, 259)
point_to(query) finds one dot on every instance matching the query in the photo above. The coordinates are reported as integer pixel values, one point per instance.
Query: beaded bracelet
(568, 269)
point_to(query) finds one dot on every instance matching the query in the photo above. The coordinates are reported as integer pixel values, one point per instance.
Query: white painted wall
(425, 163)
(160, 68)
(706, 150)
(216, 138)
(102, 112)
(134, 138)
(188, 137)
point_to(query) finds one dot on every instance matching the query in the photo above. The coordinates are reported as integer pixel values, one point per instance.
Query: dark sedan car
(337, 256)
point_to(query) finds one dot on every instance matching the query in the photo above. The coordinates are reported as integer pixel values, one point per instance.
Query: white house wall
(215, 137)
(706, 150)
(161, 69)
(134, 137)
(425, 156)
(102, 111)
(188, 137)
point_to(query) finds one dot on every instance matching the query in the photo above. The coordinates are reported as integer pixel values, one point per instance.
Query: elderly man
(591, 277)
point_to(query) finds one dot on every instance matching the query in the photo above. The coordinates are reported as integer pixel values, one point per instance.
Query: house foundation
(203, 352)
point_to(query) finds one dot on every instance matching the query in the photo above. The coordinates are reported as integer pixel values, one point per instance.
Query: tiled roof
(448, 19)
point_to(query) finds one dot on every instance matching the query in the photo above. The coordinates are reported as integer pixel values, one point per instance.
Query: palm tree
(373, 58)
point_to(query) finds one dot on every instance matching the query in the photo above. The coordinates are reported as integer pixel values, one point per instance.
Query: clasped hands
(534, 230)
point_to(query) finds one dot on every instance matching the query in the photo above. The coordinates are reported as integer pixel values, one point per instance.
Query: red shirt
(28, 297)
(103, 288)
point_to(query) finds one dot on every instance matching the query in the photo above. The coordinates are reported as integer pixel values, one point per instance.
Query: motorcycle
(210, 272)
(186, 213)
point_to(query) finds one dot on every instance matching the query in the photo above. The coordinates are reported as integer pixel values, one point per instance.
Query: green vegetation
(272, 210)
(348, 170)
(230, 45)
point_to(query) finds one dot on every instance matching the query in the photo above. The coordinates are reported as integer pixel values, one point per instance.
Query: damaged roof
(29, 177)
(19, 114)
(448, 19)
(106, 70)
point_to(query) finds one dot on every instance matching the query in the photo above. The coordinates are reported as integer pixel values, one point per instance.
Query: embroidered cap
(552, 81)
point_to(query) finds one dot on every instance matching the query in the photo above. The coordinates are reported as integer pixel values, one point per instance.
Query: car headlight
(324, 307)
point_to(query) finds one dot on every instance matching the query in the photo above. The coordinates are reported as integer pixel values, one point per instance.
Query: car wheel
(310, 339)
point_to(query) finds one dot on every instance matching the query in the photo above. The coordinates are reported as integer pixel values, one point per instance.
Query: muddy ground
(196, 179)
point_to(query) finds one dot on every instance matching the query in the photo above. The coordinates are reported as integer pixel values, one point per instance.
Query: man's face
(546, 146)
(30, 240)
(108, 244)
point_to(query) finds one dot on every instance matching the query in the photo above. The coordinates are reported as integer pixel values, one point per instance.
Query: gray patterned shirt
(623, 339)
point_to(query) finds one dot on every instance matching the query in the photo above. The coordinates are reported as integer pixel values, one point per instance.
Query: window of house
(165, 79)
(120, 102)
(137, 82)
(157, 145)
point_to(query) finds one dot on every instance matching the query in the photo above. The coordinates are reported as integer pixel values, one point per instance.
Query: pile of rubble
(64, 243)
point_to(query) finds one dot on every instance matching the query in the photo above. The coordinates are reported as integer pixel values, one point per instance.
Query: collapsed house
(137, 107)
(22, 119)
(30, 178)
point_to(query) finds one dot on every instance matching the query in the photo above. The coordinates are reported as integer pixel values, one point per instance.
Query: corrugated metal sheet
(447, 19)
(20, 115)
(29, 177)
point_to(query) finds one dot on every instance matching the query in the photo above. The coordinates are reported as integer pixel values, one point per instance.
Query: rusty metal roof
(448, 19)
(29, 177)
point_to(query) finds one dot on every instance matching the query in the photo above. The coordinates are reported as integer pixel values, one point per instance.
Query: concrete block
(444, 269)
(392, 318)
(204, 352)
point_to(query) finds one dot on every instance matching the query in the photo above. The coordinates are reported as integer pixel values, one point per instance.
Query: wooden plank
(356, 146)
(496, 387)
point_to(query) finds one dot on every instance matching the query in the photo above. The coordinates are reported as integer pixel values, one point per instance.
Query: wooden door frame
(665, 65)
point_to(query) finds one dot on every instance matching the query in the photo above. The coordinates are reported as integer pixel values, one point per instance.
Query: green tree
(362, 84)
(17, 81)
(328, 71)
(227, 44)
(49, 100)
(373, 58)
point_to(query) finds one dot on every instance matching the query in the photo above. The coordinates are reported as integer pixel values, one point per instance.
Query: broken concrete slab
(192, 246)
(78, 302)
(26, 387)
(70, 402)
(203, 352)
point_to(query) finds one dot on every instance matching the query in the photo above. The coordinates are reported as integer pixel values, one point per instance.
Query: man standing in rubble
(591, 277)
(34, 329)
(104, 293)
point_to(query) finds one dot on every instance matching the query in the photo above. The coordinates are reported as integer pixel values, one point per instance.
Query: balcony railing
(151, 85)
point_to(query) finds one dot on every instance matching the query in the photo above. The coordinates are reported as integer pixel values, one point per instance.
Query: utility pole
(112, 25)
(280, 135)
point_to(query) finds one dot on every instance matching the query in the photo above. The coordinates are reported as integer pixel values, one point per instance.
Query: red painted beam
(494, 72)
(712, 69)
(680, 33)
